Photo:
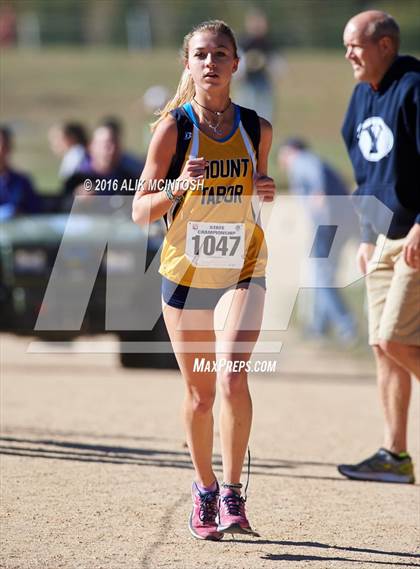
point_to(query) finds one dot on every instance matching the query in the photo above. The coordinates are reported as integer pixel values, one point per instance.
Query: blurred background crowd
(81, 79)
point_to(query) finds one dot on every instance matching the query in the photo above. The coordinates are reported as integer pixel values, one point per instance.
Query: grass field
(39, 88)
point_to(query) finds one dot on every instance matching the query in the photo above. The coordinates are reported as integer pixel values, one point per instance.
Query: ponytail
(184, 93)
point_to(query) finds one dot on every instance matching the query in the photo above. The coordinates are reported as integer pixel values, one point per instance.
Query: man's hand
(364, 255)
(411, 247)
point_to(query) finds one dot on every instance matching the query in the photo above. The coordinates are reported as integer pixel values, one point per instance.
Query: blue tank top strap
(189, 110)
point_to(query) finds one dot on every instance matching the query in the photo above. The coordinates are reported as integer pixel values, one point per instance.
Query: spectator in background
(105, 163)
(316, 181)
(128, 161)
(256, 91)
(17, 195)
(68, 141)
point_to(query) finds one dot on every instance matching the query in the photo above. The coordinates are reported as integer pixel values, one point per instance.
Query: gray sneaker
(381, 467)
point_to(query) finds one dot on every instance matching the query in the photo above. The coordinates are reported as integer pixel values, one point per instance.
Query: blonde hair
(186, 89)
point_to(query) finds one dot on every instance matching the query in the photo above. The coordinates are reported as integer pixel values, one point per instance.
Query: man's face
(369, 59)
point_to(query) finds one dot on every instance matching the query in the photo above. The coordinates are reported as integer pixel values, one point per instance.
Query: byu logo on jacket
(375, 139)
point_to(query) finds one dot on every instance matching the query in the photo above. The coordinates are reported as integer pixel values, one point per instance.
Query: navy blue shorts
(177, 295)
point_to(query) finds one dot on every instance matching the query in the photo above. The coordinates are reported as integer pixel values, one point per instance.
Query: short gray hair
(385, 26)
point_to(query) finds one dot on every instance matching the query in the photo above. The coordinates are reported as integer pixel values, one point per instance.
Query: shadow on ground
(58, 449)
(332, 549)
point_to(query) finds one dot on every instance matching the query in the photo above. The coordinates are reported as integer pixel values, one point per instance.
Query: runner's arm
(264, 185)
(148, 205)
(265, 145)
(151, 204)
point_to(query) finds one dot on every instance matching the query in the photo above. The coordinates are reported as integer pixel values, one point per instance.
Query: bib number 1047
(212, 245)
(215, 245)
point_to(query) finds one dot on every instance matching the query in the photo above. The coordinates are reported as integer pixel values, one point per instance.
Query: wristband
(170, 195)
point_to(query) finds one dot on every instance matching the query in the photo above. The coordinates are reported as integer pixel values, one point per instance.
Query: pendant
(215, 129)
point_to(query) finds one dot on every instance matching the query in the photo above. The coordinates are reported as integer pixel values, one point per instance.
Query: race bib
(215, 245)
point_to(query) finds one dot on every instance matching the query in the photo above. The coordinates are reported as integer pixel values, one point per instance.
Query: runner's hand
(411, 247)
(364, 255)
(194, 169)
(266, 188)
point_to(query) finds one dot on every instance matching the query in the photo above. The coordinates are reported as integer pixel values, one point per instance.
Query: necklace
(219, 115)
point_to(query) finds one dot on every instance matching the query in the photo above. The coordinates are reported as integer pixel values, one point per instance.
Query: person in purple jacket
(382, 134)
(17, 195)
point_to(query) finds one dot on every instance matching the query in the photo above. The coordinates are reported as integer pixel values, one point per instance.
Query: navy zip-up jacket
(382, 134)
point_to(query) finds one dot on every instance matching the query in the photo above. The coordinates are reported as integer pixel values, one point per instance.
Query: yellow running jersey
(214, 237)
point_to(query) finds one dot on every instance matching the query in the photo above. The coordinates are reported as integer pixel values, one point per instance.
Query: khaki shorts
(393, 295)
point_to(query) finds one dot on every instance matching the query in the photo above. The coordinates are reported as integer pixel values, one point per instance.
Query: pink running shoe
(232, 516)
(202, 522)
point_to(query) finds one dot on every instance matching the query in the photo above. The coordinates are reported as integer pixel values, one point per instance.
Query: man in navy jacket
(382, 134)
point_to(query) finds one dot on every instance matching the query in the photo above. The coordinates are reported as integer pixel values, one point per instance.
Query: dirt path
(95, 474)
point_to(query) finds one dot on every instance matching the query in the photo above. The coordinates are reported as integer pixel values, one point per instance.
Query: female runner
(214, 249)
